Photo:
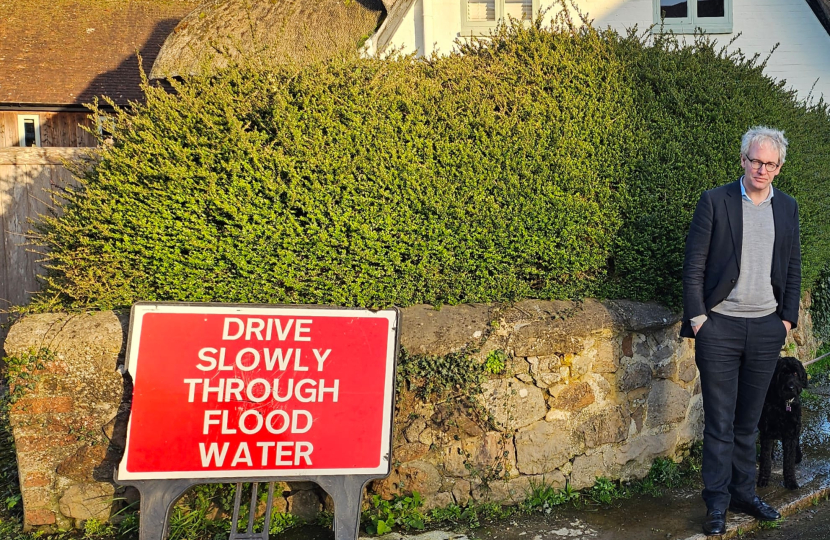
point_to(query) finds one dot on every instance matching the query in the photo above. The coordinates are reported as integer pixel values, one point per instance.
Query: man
(741, 288)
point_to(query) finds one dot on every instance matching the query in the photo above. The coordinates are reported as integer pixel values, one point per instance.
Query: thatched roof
(280, 31)
(66, 52)
(822, 11)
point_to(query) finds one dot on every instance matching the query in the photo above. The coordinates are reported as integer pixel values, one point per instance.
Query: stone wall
(590, 389)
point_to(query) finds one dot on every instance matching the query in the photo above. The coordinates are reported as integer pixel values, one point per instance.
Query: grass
(191, 519)
(819, 372)
(769, 525)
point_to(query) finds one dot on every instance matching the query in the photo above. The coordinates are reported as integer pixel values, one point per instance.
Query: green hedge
(543, 162)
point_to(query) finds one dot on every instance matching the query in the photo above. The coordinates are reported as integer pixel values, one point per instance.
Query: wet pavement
(809, 524)
(676, 514)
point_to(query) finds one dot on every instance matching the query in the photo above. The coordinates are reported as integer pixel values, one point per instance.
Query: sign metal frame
(158, 495)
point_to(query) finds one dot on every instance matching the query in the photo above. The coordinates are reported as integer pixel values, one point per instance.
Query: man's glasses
(757, 164)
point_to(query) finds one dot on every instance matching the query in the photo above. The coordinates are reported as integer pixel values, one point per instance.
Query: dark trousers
(736, 358)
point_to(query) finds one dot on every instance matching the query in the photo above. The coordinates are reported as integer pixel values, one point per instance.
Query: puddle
(675, 514)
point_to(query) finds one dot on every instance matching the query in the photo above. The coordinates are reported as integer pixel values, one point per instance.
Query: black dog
(781, 419)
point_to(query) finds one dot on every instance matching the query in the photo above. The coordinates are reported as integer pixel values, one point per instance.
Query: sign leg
(347, 493)
(157, 498)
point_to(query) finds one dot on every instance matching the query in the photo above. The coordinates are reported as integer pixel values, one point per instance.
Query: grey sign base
(159, 496)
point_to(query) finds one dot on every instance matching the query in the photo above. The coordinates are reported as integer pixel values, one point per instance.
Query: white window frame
(21, 131)
(688, 25)
(486, 25)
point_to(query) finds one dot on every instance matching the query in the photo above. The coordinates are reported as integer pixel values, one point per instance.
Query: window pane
(29, 132)
(711, 8)
(519, 9)
(674, 9)
(481, 10)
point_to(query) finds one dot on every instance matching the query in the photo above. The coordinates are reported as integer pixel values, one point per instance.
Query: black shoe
(715, 523)
(755, 508)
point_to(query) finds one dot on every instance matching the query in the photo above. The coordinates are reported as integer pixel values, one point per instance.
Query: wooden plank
(14, 136)
(80, 122)
(46, 133)
(71, 129)
(10, 128)
(42, 156)
(39, 203)
(86, 139)
(27, 178)
(14, 223)
(6, 181)
(3, 129)
(60, 131)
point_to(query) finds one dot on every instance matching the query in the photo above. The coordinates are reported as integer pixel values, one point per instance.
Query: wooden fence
(57, 129)
(27, 177)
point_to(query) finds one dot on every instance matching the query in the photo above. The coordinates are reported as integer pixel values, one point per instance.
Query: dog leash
(814, 360)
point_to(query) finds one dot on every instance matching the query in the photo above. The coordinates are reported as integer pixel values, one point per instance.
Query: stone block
(87, 501)
(38, 497)
(461, 492)
(637, 406)
(609, 425)
(42, 405)
(666, 370)
(426, 330)
(426, 437)
(692, 429)
(516, 490)
(419, 476)
(628, 346)
(509, 492)
(574, 397)
(88, 464)
(439, 500)
(36, 479)
(542, 338)
(581, 364)
(586, 469)
(667, 403)
(544, 447)
(640, 316)
(38, 516)
(607, 360)
(634, 457)
(414, 429)
(478, 456)
(410, 452)
(304, 504)
(635, 375)
(653, 350)
(687, 370)
(516, 366)
(512, 403)
(457, 420)
(545, 370)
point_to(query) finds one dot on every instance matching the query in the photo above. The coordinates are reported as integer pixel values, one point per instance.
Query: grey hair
(763, 134)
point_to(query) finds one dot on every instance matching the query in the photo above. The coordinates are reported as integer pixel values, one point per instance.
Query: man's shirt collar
(745, 197)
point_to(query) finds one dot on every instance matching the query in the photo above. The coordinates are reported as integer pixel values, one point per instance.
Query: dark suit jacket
(713, 254)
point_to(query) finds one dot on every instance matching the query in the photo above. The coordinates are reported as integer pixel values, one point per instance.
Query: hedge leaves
(543, 162)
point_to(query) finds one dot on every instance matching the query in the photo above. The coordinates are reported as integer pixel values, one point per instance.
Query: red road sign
(228, 391)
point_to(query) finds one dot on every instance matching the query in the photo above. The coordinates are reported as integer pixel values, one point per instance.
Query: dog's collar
(789, 403)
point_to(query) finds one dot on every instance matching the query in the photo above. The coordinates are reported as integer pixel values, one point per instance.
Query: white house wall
(802, 56)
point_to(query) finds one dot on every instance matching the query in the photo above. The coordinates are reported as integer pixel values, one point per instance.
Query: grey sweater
(752, 295)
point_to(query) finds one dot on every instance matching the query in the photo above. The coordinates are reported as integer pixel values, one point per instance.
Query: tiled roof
(65, 52)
